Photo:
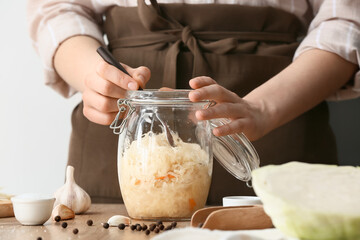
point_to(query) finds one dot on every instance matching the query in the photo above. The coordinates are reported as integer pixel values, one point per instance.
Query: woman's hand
(101, 84)
(246, 117)
(307, 81)
(105, 85)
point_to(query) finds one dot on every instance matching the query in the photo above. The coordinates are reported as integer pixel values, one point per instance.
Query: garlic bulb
(71, 195)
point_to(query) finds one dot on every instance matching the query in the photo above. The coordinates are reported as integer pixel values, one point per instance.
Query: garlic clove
(72, 195)
(63, 211)
(114, 221)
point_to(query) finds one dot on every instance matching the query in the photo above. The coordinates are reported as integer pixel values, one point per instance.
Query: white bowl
(32, 209)
(231, 201)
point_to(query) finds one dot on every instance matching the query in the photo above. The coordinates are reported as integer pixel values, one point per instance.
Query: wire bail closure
(125, 111)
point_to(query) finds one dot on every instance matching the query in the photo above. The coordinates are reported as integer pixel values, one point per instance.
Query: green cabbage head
(311, 201)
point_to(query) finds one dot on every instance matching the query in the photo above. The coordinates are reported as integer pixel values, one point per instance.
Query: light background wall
(35, 121)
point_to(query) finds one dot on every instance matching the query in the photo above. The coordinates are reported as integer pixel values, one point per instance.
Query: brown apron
(240, 47)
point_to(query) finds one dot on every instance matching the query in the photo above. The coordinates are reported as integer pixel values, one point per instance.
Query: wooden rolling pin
(6, 208)
(232, 218)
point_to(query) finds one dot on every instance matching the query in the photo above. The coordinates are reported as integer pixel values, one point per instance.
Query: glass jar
(169, 179)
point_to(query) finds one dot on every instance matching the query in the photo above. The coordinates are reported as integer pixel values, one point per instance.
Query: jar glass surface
(157, 180)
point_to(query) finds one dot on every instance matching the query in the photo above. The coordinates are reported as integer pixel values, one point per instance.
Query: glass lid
(235, 152)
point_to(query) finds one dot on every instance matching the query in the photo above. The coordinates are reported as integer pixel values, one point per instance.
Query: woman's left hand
(247, 117)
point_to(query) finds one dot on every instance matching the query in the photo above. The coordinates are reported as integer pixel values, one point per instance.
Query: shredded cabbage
(160, 181)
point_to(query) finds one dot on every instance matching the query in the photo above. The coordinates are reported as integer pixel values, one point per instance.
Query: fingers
(242, 125)
(98, 108)
(98, 117)
(141, 74)
(99, 102)
(100, 97)
(223, 110)
(114, 75)
(166, 89)
(213, 92)
(107, 84)
(239, 114)
(235, 126)
(104, 87)
(243, 118)
(199, 82)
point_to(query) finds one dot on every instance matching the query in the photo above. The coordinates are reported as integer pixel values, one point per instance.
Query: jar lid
(235, 152)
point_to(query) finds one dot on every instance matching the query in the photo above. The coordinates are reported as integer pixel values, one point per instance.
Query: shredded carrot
(137, 182)
(160, 178)
(192, 204)
(163, 177)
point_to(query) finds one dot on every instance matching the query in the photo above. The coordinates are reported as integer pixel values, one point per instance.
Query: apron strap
(187, 38)
(168, 31)
(156, 6)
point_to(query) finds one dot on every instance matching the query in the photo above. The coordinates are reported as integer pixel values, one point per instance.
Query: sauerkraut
(160, 181)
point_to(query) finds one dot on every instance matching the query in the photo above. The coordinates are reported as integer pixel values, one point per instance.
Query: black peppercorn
(144, 227)
(57, 218)
(76, 231)
(132, 227)
(64, 224)
(39, 238)
(173, 224)
(147, 232)
(157, 230)
(89, 222)
(105, 225)
(121, 226)
(159, 223)
(138, 227)
(152, 226)
(161, 227)
(168, 228)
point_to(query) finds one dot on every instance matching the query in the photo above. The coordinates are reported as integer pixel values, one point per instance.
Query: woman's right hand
(101, 84)
(105, 85)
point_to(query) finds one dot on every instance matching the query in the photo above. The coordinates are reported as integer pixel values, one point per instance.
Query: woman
(246, 47)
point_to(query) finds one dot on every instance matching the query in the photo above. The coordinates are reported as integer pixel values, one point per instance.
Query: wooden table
(11, 229)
